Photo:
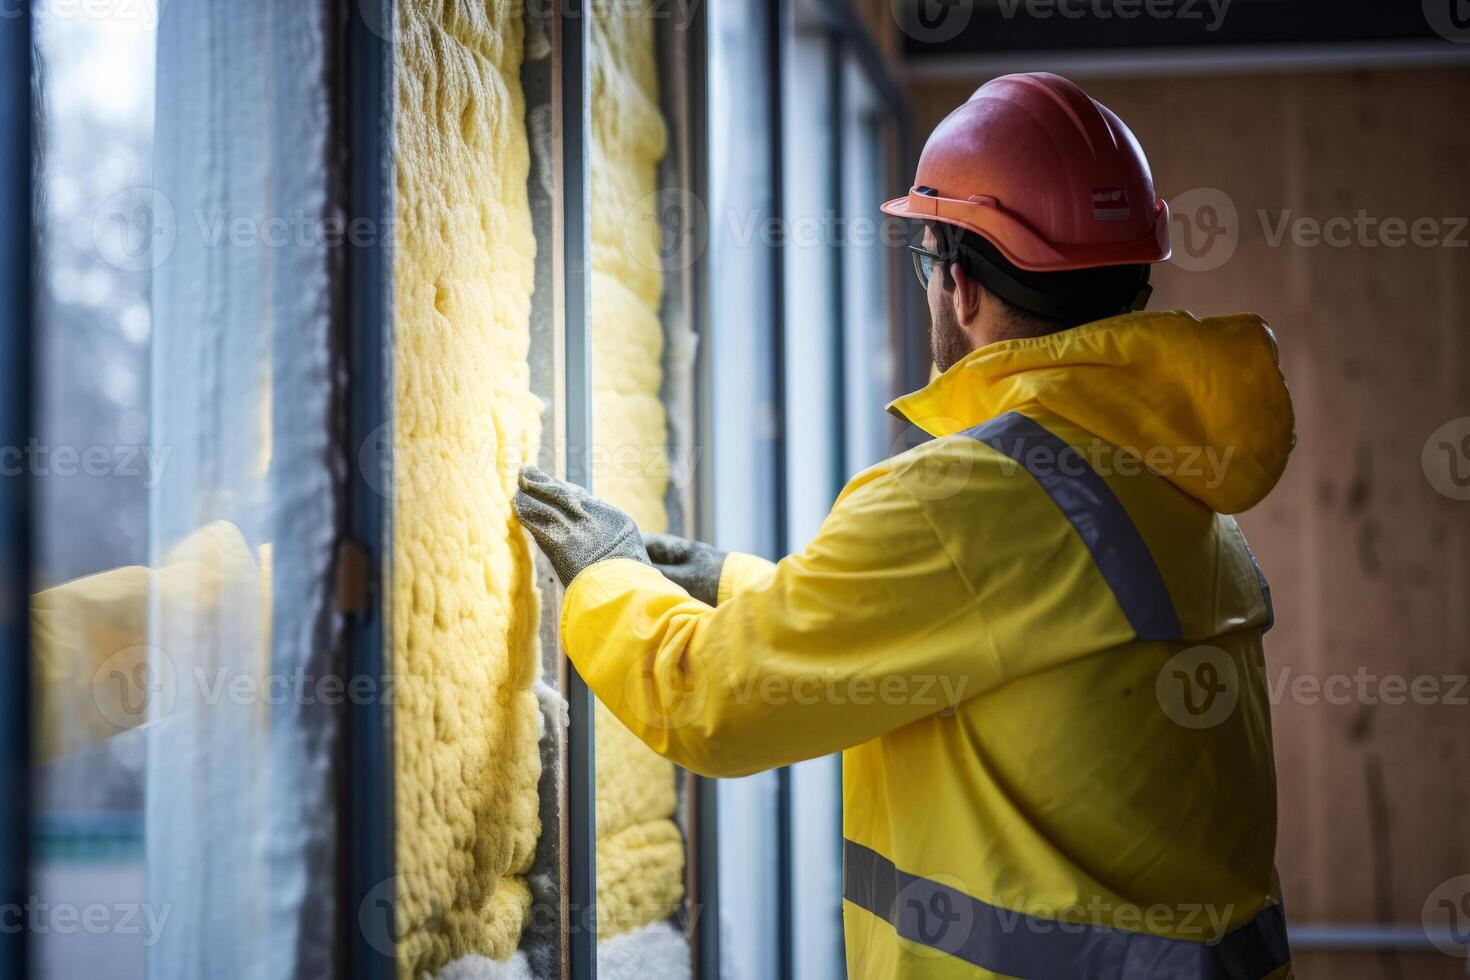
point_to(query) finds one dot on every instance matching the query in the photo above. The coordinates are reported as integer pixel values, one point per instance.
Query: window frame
(16, 427)
(368, 791)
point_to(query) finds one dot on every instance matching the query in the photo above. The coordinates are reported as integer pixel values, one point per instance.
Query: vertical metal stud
(573, 47)
(547, 940)
(683, 70)
(15, 493)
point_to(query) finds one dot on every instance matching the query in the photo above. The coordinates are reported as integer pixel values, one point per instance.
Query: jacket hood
(1201, 402)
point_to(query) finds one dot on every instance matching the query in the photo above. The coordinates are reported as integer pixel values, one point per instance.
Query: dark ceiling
(950, 27)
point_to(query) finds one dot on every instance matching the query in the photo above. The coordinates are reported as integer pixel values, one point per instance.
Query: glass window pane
(93, 465)
(187, 481)
(741, 335)
(868, 310)
(815, 434)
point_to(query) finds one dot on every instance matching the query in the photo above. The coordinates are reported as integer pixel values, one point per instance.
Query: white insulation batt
(241, 822)
(652, 952)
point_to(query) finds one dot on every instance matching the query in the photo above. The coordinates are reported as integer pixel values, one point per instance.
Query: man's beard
(947, 341)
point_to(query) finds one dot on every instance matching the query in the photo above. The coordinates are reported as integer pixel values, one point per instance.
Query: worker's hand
(574, 528)
(693, 564)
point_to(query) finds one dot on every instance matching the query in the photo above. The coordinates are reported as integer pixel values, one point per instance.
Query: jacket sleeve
(742, 573)
(92, 662)
(868, 628)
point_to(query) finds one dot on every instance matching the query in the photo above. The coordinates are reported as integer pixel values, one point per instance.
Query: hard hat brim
(1022, 246)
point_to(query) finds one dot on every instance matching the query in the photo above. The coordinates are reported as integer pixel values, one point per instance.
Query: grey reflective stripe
(1015, 944)
(1260, 580)
(1097, 517)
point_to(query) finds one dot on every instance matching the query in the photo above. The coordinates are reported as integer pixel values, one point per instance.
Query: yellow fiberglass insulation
(465, 608)
(640, 854)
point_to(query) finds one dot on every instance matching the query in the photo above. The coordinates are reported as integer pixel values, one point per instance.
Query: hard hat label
(1110, 204)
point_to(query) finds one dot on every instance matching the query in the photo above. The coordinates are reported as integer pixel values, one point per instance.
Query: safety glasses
(924, 262)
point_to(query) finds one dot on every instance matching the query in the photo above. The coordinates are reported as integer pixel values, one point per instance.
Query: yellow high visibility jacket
(1036, 639)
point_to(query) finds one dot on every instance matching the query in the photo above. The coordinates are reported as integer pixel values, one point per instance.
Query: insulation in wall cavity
(640, 851)
(465, 608)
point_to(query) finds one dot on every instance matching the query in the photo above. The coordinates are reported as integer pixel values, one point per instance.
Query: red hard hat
(1049, 176)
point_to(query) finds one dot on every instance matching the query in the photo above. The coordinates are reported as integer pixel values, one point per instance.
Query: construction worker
(1035, 638)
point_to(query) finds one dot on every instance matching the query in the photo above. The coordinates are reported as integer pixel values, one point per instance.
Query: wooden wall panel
(877, 17)
(1370, 565)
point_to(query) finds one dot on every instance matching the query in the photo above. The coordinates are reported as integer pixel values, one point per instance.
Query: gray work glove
(574, 528)
(692, 564)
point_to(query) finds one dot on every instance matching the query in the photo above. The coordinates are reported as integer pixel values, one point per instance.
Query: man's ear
(966, 295)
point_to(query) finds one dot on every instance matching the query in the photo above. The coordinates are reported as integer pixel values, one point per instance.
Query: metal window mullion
(685, 51)
(836, 108)
(16, 228)
(369, 821)
(785, 868)
(837, 54)
(573, 48)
